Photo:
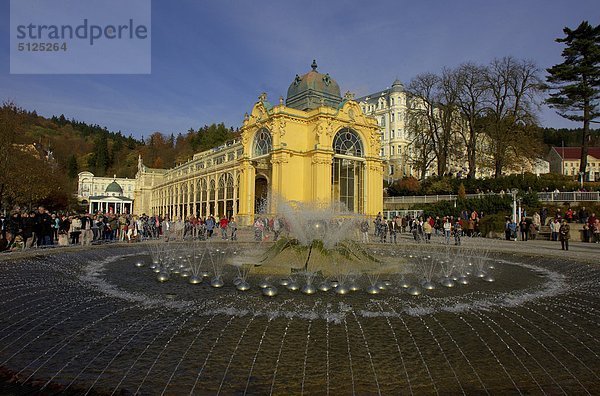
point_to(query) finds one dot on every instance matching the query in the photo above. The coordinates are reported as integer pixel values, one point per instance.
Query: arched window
(262, 142)
(348, 171)
(347, 142)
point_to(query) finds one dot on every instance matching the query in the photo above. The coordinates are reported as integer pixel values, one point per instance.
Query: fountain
(302, 315)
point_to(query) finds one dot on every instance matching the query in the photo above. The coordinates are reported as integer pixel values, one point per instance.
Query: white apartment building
(389, 107)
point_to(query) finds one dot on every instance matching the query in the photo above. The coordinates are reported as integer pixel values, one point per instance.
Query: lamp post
(514, 192)
(581, 174)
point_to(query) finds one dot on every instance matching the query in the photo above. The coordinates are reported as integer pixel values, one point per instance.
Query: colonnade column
(373, 187)
(247, 176)
(195, 181)
(235, 193)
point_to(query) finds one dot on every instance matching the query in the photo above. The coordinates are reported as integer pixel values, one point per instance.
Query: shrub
(438, 186)
(408, 185)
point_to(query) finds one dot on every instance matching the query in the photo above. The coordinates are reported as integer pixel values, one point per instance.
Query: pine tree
(102, 158)
(576, 82)
(72, 167)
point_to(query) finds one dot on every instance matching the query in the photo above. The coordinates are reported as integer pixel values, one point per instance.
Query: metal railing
(412, 199)
(574, 196)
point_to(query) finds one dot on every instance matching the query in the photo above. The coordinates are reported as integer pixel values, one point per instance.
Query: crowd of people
(40, 228)
(559, 226)
(423, 227)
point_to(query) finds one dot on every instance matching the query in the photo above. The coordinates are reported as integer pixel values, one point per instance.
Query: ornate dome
(312, 90)
(114, 189)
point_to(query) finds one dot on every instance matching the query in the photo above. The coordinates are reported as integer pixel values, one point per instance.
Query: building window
(392, 151)
(392, 134)
(347, 173)
(262, 142)
(392, 117)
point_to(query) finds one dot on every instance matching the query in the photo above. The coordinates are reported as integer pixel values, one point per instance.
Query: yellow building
(316, 147)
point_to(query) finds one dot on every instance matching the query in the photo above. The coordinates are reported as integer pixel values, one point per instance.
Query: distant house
(565, 161)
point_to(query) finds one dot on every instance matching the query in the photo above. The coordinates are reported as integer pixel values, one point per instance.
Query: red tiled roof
(574, 153)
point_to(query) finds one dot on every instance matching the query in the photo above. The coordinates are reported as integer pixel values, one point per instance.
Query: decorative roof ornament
(349, 95)
(262, 97)
(314, 65)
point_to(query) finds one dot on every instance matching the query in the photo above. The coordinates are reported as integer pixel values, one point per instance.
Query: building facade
(566, 161)
(105, 194)
(390, 108)
(313, 147)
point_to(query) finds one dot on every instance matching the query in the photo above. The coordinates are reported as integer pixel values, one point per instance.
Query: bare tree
(422, 121)
(471, 90)
(511, 103)
(449, 119)
(422, 154)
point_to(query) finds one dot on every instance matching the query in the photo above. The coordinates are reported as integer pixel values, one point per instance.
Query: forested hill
(41, 157)
(78, 146)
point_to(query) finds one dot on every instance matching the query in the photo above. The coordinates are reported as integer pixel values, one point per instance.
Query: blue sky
(211, 59)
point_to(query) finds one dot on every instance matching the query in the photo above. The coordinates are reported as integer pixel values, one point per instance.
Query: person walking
(565, 235)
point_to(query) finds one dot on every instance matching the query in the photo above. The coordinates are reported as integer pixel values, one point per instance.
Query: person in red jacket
(223, 223)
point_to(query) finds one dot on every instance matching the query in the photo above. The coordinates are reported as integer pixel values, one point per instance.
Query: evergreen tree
(72, 167)
(576, 82)
(102, 158)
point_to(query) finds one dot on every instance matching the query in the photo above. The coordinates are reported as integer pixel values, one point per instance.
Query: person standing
(75, 230)
(524, 228)
(223, 224)
(86, 230)
(555, 226)
(383, 230)
(393, 227)
(447, 229)
(259, 227)
(457, 232)
(565, 235)
(544, 215)
(233, 226)
(63, 231)
(513, 230)
(45, 227)
(364, 229)
(427, 229)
